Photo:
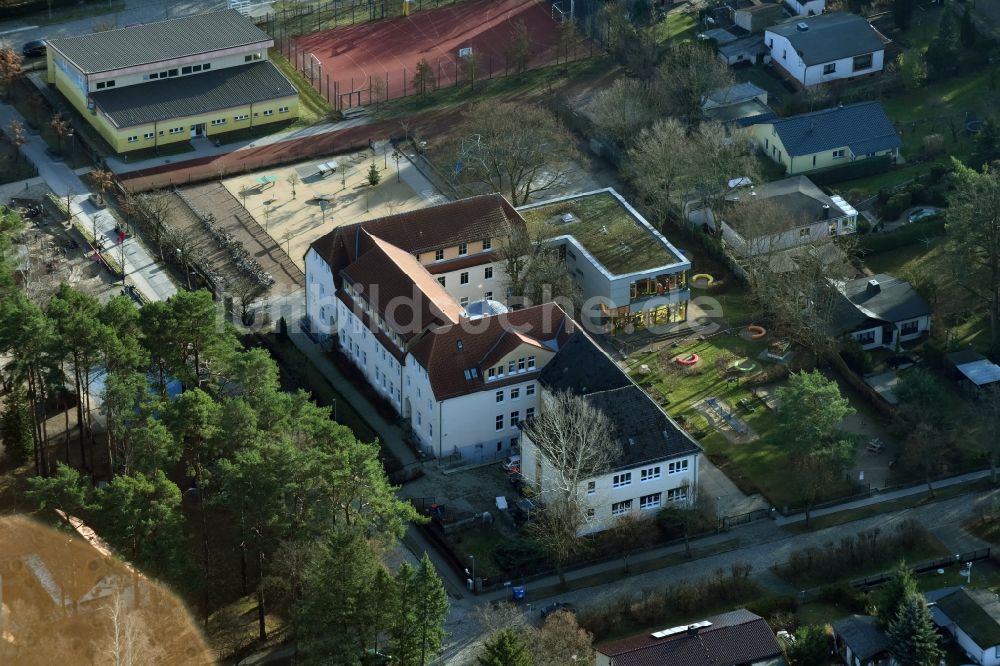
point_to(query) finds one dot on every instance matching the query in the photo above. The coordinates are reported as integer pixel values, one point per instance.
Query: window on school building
(676, 467)
(488, 273)
(650, 501)
(649, 474)
(499, 422)
(677, 494)
(487, 243)
(463, 278)
(133, 139)
(463, 249)
(620, 508)
(621, 480)
(282, 109)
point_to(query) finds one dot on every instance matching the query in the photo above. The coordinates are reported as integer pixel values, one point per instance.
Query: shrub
(517, 555)
(933, 145)
(918, 193)
(774, 605)
(856, 357)
(851, 170)
(896, 204)
(845, 597)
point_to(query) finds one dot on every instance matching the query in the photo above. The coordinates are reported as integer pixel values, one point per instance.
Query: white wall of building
(806, 7)
(672, 480)
(365, 350)
(785, 55)
(468, 423)
(233, 57)
(321, 301)
(872, 338)
(478, 284)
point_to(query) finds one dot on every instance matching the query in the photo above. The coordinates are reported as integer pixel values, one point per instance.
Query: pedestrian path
(879, 497)
(390, 434)
(154, 282)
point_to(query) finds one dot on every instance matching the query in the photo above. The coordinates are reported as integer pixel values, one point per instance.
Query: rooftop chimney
(692, 630)
(802, 26)
(873, 287)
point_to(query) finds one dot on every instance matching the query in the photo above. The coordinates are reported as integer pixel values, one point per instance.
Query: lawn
(958, 311)
(313, 107)
(679, 25)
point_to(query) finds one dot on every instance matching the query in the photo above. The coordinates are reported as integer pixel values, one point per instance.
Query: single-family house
(741, 104)
(860, 641)
(829, 47)
(975, 373)
(658, 463)
(879, 311)
(151, 84)
(973, 618)
(828, 138)
(630, 273)
(807, 215)
(736, 638)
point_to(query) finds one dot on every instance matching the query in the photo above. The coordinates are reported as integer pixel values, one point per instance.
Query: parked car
(557, 606)
(922, 213)
(34, 49)
(523, 510)
(512, 463)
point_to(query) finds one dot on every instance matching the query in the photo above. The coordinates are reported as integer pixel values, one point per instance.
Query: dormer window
(487, 244)
(463, 249)
(438, 255)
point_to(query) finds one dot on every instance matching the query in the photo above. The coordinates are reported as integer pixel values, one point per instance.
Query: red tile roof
(397, 286)
(735, 638)
(447, 352)
(464, 221)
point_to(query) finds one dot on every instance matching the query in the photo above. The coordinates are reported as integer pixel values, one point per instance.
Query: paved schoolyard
(294, 222)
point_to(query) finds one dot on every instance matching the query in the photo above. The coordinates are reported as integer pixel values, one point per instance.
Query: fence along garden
(445, 72)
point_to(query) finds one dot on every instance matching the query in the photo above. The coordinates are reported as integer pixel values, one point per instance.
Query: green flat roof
(606, 228)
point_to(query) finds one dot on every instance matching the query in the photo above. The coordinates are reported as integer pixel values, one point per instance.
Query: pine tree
(422, 605)
(942, 53)
(913, 641)
(967, 30)
(897, 589)
(15, 427)
(374, 177)
(505, 649)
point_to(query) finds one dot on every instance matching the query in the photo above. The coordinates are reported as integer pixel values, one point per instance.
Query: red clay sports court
(391, 49)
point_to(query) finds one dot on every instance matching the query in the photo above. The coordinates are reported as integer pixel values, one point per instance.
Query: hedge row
(910, 234)
(851, 170)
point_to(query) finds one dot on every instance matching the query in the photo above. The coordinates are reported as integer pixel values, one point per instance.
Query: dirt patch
(233, 219)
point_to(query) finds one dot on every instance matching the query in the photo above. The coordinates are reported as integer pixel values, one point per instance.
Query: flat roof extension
(606, 227)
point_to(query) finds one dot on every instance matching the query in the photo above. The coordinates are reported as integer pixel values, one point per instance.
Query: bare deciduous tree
(574, 441)
(128, 640)
(61, 126)
(247, 291)
(562, 641)
(623, 109)
(157, 206)
(10, 68)
(519, 48)
(517, 149)
(103, 181)
(424, 79)
(187, 248)
(689, 71)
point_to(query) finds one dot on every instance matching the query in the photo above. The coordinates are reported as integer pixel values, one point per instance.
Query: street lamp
(396, 155)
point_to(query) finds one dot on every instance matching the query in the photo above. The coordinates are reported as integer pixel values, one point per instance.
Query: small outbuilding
(860, 641)
(974, 372)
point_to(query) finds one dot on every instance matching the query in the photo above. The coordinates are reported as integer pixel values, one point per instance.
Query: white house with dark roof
(143, 86)
(658, 465)
(829, 47)
(828, 138)
(879, 311)
(972, 617)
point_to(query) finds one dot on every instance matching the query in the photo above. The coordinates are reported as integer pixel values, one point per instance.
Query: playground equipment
(688, 360)
(756, 332)
(745, 365)
(702, 280)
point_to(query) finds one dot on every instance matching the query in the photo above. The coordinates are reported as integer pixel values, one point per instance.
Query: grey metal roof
(744, 114)
(862, 127)
(863, 635)
(644, 431)
(734, 94)
(156, 42)
(799, 197)
(981, 372)
(829, 37)
(751, 44)
(191, 95)
(720, 35)
(894, 301)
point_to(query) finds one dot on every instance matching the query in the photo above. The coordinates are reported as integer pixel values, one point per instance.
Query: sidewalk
(149, 278)
(878, 498)
(389, 433)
